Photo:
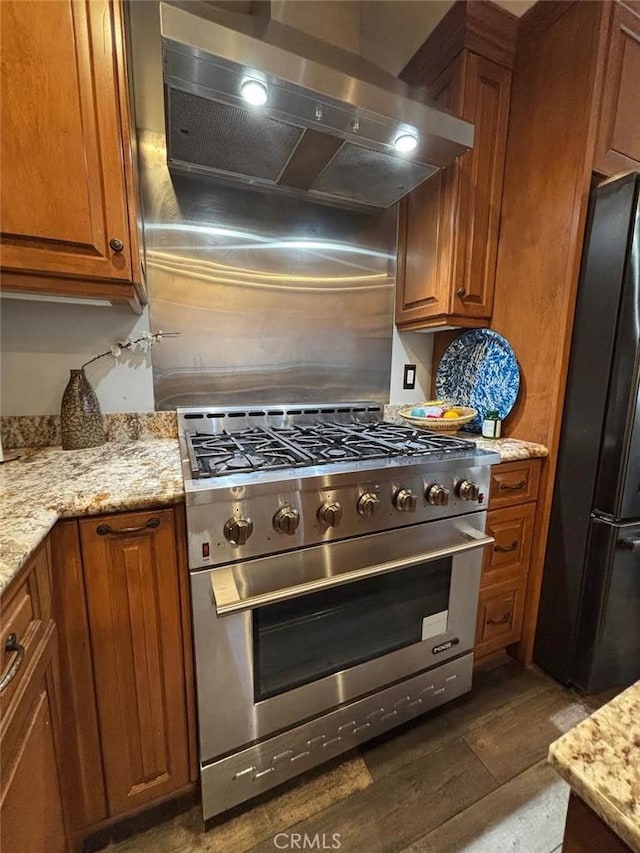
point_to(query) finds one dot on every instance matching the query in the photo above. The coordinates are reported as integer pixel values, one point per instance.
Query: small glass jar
(491, 424)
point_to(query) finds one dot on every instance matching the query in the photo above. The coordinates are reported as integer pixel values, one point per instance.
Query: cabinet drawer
(500, 613)
(514, 483)
(512, 528)
(26, 611)
(30, 803)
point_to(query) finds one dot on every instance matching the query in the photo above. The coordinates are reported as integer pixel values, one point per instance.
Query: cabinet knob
(461, 292)
(116, 245)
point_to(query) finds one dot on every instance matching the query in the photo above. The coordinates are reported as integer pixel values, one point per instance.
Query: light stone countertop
(600, 759)
(49, 483)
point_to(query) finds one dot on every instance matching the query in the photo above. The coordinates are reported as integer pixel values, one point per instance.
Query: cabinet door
(131, 576)
(618, 142)
(65, 142)
(500, 615)
(487, 93)
(425, 229)
(30, 803)
(448, 227)
(510, 555)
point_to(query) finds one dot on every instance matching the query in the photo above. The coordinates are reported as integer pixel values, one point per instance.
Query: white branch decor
(141, 344)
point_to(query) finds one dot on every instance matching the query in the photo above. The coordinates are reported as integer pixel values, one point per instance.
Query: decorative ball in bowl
(438, 415)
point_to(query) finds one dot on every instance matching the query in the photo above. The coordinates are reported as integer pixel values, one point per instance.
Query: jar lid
(493, 414)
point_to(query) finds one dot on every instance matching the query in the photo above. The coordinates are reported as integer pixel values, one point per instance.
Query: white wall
(42, 341)
(411, 348)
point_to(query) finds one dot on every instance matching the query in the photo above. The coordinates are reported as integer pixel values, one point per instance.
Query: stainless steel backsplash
(276, 299)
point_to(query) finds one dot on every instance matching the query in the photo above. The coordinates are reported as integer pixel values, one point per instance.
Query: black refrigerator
(588, 631)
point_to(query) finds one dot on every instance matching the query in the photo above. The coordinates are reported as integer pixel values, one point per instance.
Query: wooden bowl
(446, 425)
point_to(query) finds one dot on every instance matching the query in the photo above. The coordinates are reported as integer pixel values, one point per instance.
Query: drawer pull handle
(501, 621)
(505, 549)
(11, 644)
(107, 529)
(116, 245)
(505, 487)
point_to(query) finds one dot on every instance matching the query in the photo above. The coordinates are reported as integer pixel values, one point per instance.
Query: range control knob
(467, 491)
(238, 530)
(286, 520)
(368, 504)
(405, 500)
(330, 514)
(437, 495)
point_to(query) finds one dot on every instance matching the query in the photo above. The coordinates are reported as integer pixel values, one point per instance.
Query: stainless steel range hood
(329, 125)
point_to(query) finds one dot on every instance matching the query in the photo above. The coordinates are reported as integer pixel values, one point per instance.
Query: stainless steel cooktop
(261, 448)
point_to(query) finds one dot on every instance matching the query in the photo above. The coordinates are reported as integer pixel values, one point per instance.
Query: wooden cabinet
(31, 812)
(503, 586)
(514, 483)
(512, 529)
(69, 212)
(500, 614)
(448, 227)
(586, 832)
(574, 111)
(135, 622)
(618, 140)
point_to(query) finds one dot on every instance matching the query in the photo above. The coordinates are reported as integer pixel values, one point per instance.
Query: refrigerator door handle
(630, 544)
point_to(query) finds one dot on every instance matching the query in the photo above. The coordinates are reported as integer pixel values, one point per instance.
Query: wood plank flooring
(471, 776)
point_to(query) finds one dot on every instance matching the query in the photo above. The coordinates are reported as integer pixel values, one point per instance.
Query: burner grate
(260, 448)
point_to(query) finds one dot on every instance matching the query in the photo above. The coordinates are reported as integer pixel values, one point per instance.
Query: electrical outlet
(409, 381)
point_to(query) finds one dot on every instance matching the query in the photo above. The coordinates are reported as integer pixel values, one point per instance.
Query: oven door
(284, 638)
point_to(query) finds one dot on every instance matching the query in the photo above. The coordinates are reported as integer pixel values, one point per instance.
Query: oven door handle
(228, 599)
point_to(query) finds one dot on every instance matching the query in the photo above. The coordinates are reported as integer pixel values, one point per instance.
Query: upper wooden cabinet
(68, 195)
(618, 140)
(448, 227)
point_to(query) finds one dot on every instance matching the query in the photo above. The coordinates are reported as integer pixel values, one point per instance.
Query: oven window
(306, 638)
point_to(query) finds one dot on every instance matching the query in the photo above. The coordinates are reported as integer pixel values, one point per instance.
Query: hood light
(406, 142)
(254, 92)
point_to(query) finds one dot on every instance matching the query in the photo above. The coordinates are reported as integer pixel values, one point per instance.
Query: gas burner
(261, 448)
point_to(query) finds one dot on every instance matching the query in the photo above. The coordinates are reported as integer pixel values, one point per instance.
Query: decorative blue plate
(479, 369)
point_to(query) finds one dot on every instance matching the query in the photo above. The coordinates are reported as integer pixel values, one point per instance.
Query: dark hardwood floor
(470, 776)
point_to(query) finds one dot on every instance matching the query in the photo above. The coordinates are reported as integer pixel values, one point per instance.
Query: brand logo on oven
(442, 647)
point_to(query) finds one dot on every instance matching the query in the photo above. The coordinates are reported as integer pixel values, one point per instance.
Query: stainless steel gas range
(335, 564)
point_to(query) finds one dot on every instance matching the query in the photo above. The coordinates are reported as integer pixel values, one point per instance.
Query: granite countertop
(510, 449)
(49, 483)
(600, 759)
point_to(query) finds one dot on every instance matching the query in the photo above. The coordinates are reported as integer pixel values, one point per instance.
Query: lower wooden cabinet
(505, 571)
(500, 613)
(510, 554)
(121, 599)
(31, 810)
(133, 603)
